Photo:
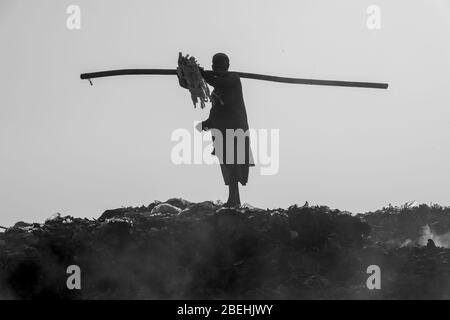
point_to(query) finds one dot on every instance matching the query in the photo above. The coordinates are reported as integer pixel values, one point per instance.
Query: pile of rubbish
(410, 224)
(182, 250)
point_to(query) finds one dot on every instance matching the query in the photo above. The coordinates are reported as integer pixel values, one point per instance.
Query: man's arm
(204, 125)
(223, 79)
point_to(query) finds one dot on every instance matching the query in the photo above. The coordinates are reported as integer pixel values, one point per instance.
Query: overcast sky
(71, 148)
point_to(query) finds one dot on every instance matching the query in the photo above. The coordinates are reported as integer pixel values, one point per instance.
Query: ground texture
(182, 250)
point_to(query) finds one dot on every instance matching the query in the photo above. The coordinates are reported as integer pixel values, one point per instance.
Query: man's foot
(231, 204)
(234, 200)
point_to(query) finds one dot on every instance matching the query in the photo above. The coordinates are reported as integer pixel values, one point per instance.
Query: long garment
(228, 112)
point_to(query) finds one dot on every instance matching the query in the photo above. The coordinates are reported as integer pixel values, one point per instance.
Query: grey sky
(71, 148)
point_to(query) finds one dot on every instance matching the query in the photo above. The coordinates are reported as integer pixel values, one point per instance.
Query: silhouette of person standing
(228, 118)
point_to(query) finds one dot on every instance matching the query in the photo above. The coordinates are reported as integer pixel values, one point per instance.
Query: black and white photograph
(224, 156)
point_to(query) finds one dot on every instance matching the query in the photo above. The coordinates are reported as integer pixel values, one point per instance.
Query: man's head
(220, 62)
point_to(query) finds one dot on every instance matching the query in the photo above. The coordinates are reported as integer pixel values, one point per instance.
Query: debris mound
(182, 250)
(410, 225)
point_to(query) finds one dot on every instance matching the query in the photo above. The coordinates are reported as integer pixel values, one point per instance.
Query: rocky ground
(183, 250)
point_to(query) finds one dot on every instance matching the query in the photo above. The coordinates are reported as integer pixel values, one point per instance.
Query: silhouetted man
(228, 112)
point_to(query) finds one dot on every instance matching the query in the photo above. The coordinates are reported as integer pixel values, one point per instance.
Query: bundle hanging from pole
(190, 78)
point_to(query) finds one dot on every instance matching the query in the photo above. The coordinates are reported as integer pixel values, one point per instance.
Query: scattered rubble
(410, 224)
(182, 250)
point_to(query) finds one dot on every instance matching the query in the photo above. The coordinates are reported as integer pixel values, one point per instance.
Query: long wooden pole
(121, 72)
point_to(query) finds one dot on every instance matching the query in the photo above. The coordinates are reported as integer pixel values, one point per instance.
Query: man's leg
(233, 196)
(237, 199)
(230, 195)
(231, 177)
